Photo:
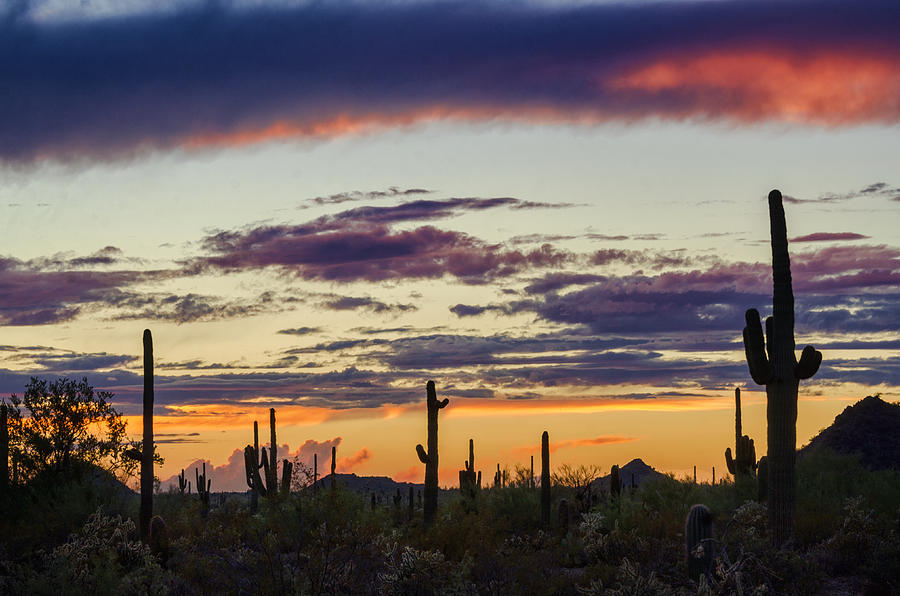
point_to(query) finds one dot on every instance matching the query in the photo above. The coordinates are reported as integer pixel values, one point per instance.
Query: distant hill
(368, 484)
(870, 428)
(641, 471)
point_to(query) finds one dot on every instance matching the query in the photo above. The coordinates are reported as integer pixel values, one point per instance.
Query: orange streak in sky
(830, 89)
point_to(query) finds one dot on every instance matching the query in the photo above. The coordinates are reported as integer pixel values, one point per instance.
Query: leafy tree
(66, 424)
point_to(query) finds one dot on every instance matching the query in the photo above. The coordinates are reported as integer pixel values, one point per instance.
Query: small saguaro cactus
(498, 478)
(159, 540)
(714, 476)
(315, 472)
(695, 474)
(333, 460)
(772, 363)
(468, 478)
(183, 483)
(531, 477)
(545, 479)
(563, 515)
(430, 458)
(744, 461)
(615, 482)
(203, 485)
(698, 541)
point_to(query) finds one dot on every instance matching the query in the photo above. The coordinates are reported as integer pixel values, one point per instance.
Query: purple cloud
(360, 245)
(828, 236)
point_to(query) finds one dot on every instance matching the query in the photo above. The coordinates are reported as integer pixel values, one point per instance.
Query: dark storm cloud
(213, 75)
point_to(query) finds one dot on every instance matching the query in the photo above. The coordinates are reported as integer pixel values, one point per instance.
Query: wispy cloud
(569, 443)
(356, 195)
(829, 237)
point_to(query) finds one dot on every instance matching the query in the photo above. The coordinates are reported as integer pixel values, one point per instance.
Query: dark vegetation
(824, 523)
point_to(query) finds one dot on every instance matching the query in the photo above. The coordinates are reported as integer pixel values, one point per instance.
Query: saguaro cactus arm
(755, 350)
(423, 457)
(810, 360)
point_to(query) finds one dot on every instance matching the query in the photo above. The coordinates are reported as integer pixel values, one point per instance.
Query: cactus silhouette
(203, 485)
(4, 449)
(270, 465)
(315, 472)
(615, 482)
(563, 514)
(430, 458)
(698, 533)
(531, 477)
(287, 471)
(772, 363)
(256, 458)
(183, 483)
(762, 479)
(744, 461)
(146, 457)
(159, 539)
(545, 479)
(333, 458)
(497, 478)
(468, 478)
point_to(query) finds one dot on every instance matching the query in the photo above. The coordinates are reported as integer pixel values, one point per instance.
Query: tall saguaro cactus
(744, 461)
(772, 363)
(545, 479)
(4, 449)
(430, 458)
(146, 512)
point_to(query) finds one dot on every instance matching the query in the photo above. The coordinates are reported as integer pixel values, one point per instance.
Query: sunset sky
(555, 210)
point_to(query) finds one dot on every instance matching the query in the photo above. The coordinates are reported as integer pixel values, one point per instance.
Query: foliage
(65, 424)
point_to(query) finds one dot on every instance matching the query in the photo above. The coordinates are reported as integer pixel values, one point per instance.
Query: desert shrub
(630, 581)
(409, 571)
(105, 557)
(825, 480)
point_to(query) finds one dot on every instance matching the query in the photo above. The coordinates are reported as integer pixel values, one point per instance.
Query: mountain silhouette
(869, 428)
(641, 471)
(367, 484)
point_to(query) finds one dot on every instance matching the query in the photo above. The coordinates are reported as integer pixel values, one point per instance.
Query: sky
(554, 210)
